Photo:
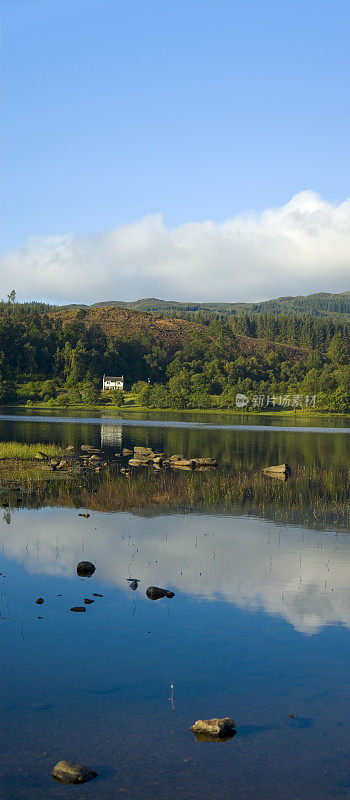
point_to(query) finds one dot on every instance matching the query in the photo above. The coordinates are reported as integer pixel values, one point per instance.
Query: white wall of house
(113, 383)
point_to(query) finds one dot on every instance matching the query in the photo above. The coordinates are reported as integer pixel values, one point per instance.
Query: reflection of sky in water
(301, 576)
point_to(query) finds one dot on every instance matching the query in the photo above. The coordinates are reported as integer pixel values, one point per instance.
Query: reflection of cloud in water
(302, 576)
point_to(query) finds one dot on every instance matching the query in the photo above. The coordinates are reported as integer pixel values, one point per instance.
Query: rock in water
(169, 594)
(279, 469)
(87, 601)
(214, 727)
(78, 608)
(155, 593)
(39, 601)
(85, 569)
(133, 583)
(66, 772)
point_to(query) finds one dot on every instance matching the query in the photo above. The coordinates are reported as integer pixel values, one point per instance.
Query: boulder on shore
(41, 456)
(67, 772)
(214, 727)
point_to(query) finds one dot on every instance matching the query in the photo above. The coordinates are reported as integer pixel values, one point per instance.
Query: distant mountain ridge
(322, 304)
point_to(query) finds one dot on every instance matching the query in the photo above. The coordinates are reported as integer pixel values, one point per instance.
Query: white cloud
(300, 247)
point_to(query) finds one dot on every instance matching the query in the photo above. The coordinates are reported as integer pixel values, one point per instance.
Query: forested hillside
(58, 356)
(322, 304)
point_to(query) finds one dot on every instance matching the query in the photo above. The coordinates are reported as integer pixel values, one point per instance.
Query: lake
(258, 629)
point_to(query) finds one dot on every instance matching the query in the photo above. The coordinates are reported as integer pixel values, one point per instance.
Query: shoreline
(121, 410)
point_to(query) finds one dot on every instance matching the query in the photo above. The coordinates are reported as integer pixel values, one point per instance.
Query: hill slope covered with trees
(58, 356)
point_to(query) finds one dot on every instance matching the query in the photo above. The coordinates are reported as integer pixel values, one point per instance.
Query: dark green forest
(45, 359)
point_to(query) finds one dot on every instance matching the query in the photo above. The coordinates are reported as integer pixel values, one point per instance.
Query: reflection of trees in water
(247, 449)
(313, 497)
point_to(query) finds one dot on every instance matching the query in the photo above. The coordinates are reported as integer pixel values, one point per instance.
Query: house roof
(113, 378)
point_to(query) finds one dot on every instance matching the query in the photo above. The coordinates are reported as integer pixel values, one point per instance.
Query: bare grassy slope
(170, 333)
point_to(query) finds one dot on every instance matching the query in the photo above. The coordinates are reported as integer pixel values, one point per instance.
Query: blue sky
(193, 109)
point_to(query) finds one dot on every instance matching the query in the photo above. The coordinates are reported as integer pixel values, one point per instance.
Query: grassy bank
(21, 451)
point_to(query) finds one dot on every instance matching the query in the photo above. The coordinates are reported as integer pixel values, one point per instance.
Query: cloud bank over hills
(298, 248)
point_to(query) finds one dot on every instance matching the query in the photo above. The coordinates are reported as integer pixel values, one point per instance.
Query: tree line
(44, 358)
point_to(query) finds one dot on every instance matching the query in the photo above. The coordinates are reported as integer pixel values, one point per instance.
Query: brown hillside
(173, 334)
(125, 323)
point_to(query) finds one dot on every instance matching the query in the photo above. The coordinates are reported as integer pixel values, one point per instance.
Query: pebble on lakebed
(85, 569)
(211, 729)
(67, 772)
(40, 601)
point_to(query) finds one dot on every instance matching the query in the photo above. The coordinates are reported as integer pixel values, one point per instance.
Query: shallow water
(258, 629)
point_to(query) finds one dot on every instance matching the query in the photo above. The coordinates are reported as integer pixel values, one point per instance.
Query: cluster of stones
(143, 456)
(89, 457)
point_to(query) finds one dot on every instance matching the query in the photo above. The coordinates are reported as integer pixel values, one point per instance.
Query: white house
(109, 382)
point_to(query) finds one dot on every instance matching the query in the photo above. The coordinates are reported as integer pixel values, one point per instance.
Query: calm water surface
(258, 629)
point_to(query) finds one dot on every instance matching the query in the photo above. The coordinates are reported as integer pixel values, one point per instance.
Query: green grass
(22, 451)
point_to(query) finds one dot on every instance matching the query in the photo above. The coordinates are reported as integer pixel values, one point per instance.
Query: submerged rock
(205, 462)
(85, 569)
(183, 462)
(220, 728)
(78, 608)
(133, 582)
(95, 594)
(155, 592)
(211, 737)
(67, 772)
(40, 601)
(87, 601)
